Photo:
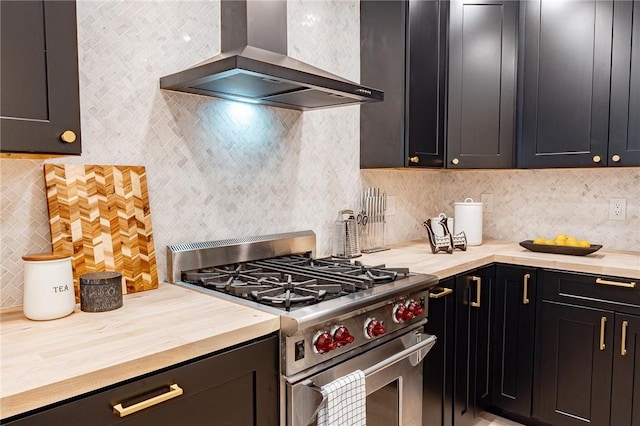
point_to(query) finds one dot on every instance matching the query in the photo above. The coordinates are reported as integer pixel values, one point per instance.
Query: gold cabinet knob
(68, 136)
(414, 160)
(455, 161)
(615, 158)
(596, 158)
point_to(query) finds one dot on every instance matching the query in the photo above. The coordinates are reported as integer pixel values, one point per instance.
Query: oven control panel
(325, 341)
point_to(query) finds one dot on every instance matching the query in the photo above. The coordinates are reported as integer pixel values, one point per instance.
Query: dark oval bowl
(573, 251)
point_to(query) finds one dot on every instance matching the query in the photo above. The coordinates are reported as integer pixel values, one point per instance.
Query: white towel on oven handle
(345, 401)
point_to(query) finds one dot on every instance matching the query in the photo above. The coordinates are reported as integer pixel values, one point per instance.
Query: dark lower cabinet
(625, 392)
(514, 332)
(472, 375)
(437, 409)
(233, 388)
(482, 84)
(575, 365)
(587, 350)
(39, 106)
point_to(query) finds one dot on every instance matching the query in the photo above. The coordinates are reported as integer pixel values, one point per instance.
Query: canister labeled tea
(100, 291)
(48, 286)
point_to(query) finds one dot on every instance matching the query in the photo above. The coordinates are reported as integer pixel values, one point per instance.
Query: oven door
(393, 377)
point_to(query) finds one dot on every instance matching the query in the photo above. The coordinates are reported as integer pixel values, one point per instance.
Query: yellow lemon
(561, 237)
(550, 242)
(584, 243)
(572, 242)
(538, 241)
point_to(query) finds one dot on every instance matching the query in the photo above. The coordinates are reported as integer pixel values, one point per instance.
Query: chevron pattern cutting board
(101, 214)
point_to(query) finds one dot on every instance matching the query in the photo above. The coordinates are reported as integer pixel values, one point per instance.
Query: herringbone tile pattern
(218, 169)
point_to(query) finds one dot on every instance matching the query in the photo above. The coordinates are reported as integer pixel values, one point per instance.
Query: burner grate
(293, 280)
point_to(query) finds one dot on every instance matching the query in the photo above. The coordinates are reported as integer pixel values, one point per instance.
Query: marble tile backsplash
(219, 169)
(526, 203)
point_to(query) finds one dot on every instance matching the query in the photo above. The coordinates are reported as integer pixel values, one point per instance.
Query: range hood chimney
(253, 65)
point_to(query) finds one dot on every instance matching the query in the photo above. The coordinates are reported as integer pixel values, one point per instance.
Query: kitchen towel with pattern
(345, 401)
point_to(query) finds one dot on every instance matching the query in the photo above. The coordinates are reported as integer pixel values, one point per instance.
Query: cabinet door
(426, 87)
(625, 392)
(437, 409)
(39, 77)
(482, 84)
(515, 296)
(624, 133)
(575, 353)
(566, 80)
(237, 387)
(382, 58)
(473, 335)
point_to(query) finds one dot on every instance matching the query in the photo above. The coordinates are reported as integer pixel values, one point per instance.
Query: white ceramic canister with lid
(48, 286)
(468, 218)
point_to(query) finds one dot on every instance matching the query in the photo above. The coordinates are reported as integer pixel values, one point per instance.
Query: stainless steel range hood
(254, 67)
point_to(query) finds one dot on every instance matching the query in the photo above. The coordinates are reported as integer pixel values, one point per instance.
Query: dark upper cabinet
(483, 54)
(514, 325)
(382, 57)
(39, 78)
(236, 387)
(426, 89)
(403, 52)
(566, 74)
(472, 388)
(624, 130)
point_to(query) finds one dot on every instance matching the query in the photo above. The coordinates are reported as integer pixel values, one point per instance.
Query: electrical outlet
(617, 209)
(487, 202)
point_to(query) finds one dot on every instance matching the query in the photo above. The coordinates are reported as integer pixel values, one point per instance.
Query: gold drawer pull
(631, 284)
(443, 293)
(603, 322)
(478, 281)
(174, 391)
(623, 343)
(525, 291)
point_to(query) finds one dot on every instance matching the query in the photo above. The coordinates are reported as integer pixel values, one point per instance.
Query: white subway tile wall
(219, 169)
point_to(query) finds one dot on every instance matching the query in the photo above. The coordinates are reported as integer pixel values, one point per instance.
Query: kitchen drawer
(235, 387)
(606, 292)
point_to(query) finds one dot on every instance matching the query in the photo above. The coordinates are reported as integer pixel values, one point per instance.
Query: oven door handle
(314, 393)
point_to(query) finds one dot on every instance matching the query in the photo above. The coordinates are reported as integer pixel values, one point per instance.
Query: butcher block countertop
(49, 361)
(43, 362)
(417, 256)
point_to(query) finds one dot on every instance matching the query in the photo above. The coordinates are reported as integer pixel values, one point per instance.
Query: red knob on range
(414, 307)
(341, 336)
(373, 328)
(402, 313)
(323, 342)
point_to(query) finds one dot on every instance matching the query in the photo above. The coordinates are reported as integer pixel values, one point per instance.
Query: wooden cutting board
(101, 214)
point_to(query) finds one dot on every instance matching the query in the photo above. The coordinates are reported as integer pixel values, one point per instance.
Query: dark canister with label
(100, 291)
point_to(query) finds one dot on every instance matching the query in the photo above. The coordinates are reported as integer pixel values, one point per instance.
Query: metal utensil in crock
(345, 236)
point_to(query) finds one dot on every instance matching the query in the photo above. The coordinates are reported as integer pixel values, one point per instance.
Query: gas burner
(287, 293)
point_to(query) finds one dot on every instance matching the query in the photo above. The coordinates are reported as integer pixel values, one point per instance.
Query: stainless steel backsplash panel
(189, 256)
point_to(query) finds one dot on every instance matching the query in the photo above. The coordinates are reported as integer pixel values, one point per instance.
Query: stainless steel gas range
(336, 315)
